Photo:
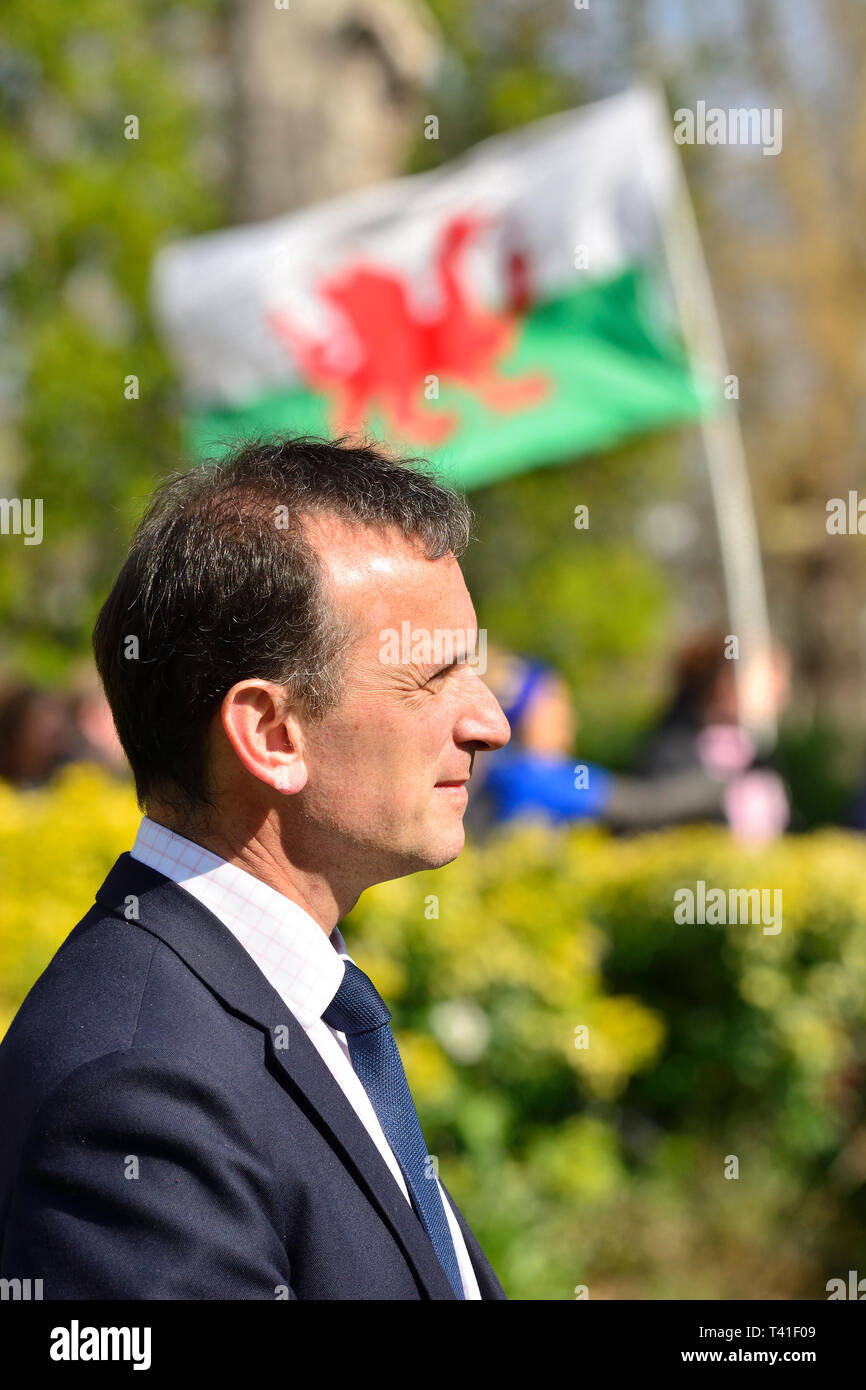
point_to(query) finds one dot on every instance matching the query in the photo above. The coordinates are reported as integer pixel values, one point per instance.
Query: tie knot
(357, 1006)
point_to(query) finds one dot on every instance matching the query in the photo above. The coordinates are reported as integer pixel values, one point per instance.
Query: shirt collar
(304, 965)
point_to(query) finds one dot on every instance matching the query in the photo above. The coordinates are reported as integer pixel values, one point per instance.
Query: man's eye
(439, 673)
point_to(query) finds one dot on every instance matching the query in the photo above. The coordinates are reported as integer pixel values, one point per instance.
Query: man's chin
(433, 854)
(448, 848)
(444, 857)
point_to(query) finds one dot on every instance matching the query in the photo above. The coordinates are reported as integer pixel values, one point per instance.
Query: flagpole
(720, 432)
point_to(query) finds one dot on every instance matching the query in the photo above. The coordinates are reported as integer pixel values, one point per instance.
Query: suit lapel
(155, 903)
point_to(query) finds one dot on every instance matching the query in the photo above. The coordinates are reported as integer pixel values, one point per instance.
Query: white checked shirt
(303, 964)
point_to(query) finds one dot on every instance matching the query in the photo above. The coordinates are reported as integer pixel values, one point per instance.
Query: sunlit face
(386, 769)
(549, 724)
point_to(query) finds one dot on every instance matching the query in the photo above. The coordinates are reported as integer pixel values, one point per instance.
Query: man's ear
(265, 733)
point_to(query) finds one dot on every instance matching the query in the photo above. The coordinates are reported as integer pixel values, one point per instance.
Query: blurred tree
(294, 143)
(785, 245)
(805, 366)
(107, 149)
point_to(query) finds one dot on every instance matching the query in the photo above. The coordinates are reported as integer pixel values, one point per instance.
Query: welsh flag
(501, 313)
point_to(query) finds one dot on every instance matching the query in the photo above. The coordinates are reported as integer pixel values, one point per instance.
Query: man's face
(386, 769)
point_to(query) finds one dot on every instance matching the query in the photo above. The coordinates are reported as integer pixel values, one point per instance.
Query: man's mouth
(456, 788)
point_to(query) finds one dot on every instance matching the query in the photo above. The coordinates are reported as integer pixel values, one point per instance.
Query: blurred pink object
(97, 725)
(725, 749)
(756, 806)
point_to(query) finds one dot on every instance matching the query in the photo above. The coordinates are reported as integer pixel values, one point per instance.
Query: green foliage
(86, 210)
(605, 1165)
(822, 764)
(56, 846)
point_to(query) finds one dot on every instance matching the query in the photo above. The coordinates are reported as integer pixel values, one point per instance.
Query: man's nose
(484, 722)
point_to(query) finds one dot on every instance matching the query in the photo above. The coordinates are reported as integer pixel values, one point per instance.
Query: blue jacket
(521, 783)
(168, 1130)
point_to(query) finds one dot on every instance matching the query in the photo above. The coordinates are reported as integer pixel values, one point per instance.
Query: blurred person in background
(701, 722)
(35, 735)
(537, 776)
(702, 728)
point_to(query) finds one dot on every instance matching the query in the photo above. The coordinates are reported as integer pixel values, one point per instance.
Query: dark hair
(698, 664)
(220, 585)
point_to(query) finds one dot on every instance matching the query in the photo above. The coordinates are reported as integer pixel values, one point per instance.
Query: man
(201, 1096)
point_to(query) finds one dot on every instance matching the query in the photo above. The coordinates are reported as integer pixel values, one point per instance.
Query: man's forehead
(380, 574)
(355, 551)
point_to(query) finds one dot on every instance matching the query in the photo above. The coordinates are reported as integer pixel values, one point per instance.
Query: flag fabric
(500, 313)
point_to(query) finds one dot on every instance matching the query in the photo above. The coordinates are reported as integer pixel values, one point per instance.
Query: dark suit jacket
(168, 1130)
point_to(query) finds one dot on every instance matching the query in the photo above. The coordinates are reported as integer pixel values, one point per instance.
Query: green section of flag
(614, 373)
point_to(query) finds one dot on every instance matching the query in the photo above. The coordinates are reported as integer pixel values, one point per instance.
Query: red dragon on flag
(389, 353)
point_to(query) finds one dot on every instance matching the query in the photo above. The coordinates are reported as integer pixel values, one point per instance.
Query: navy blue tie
(359, 1012)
